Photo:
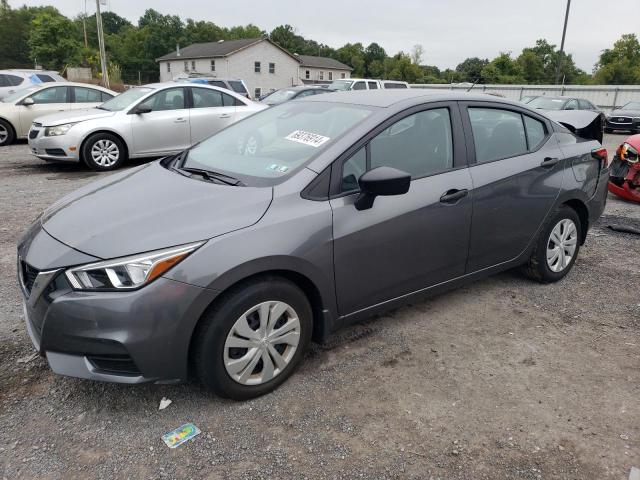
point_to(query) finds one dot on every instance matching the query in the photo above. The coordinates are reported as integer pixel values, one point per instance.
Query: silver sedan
(148, 121)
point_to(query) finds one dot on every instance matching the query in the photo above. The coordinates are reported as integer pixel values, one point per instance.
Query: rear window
(7, 80)
(545, 103)
(237, 86)
(395, 85)
(217, 83)
(44, 78)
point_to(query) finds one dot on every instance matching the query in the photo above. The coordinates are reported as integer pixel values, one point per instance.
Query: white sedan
(19, 109)
(148, 121)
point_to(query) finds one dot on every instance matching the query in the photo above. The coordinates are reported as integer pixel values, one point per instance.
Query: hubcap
(561, 246)
(4, 134)
(261, 343)
(105, 153)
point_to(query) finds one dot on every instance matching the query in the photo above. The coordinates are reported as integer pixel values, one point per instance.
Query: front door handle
(453, 195)
(180, 120)
(549, 162)
(225, 115)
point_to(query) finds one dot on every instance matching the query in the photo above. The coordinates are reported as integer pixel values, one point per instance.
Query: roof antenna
(474, 84)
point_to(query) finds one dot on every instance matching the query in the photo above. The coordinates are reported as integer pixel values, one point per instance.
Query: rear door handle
(549, 162)
(452, 196)
(180, 120)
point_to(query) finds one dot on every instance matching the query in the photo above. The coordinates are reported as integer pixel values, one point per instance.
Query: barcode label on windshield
(307, 138)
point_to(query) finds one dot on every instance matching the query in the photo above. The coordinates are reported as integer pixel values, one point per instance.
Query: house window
(213, 65)
(321, 75)
(307, 74)
(186, 66)
(168, 66)
(256, 67)
(257, 93)
(342, 75)
(330, 75)
(272, 68)
(193, 65)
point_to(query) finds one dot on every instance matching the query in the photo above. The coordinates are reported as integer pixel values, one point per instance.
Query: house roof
(211, 49)
(322, 62)
(227, 47)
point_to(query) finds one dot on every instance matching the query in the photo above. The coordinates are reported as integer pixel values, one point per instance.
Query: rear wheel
(103, 152)
(253, 339)
(556, 247)
(6, 133)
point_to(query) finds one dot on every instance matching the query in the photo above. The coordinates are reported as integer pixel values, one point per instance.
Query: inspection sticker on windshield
(307, 138)
(180, 435)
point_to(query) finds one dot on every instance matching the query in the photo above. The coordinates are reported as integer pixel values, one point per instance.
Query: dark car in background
(292, 93)
(625, 118)
(352, 203)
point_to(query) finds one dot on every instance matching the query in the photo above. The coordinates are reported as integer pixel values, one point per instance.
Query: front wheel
(253, 339)
(103, 152)
(6, 133)
(556, 247)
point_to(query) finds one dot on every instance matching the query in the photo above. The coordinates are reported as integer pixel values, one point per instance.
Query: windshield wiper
(213, 176)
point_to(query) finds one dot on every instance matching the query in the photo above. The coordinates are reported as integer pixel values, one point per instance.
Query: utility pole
(103, 55)
(84, 25)
(564, 34)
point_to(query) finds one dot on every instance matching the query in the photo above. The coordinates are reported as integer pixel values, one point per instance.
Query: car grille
(55, 152)
(29, 275)
(115, 364)
(621, 119)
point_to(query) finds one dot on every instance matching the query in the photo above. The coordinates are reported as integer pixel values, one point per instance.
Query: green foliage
(54, 40)
(621, 64)
(471, 69)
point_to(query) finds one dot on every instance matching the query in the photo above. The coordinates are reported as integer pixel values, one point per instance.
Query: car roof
(386, 98)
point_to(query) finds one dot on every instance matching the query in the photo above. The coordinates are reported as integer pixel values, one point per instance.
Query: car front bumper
(62, 148)
(631, 124)
(125, 337)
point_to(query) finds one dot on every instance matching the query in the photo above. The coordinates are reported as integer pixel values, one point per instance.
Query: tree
(502, 69)
(620, 65)
(470, 70)
(416, 54)
(352, 54)
(202, 32)
(54, 40)
(374, 56)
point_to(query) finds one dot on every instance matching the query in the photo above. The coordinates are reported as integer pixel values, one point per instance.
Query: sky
(449, 30)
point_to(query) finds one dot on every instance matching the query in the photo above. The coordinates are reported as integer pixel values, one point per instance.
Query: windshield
(279, 96)
(273, 143)
(19, 93)
(631, 106)
(237, 86)
(546, 103)
(125, 99)
(340, 84)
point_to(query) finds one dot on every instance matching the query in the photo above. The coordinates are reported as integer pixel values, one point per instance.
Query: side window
(228, 100)
(106, 96)
(420, 144)
(352, 169)
(359, 86)
(372, 85)
(51, 95)
(217, 83)
(536, 131)
(44, 78)
(497, 133)
(571, 105)
(4, 81)
(14, 80)
(205, 98)
(87, 95)
(585, 105)
(170, 99)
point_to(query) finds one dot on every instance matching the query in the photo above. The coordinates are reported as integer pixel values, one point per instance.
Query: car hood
(73, 116)
(149, 208)
(625, 113)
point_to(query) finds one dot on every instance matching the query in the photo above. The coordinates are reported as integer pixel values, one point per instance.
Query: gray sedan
(225, 261)
(148, 121)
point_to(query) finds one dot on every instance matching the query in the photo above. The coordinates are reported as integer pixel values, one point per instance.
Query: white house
(263, 65)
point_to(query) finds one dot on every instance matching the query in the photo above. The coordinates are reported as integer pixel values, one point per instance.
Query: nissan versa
(225, 262)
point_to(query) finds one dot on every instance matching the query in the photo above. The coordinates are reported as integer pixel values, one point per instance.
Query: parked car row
(12, 80)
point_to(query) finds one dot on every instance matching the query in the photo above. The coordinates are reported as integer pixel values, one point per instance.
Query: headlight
(128, 273)
(57, 130)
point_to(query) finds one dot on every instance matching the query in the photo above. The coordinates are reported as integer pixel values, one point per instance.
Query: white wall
(314, 74)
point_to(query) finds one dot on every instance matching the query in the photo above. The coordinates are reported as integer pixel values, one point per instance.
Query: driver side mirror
(27, 102)
(141, 109)
(381, 181)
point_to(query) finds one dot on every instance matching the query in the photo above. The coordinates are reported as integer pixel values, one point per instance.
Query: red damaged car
(624, 180)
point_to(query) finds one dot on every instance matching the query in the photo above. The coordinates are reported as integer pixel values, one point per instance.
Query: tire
(545, 270)
(608, 130)
(103, 152)
(7, 135)
(223, 364)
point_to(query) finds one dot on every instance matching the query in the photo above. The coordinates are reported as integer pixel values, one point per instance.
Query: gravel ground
(503, 379)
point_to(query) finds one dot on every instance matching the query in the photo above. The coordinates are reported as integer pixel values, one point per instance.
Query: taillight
(601, 154)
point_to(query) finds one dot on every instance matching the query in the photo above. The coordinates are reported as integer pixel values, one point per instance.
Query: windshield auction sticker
(307, 138)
